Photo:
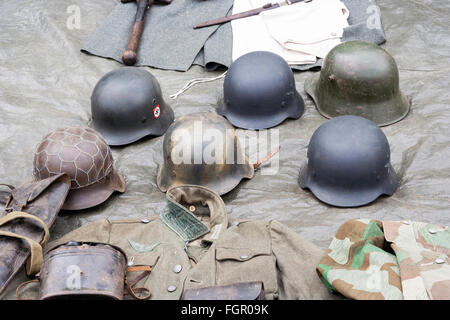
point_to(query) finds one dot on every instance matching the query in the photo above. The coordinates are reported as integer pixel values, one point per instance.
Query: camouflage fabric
(371, 259)
(423, 255)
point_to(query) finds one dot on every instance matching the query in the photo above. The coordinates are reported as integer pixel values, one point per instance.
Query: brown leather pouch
(236, 291)
(87, 270)
(29, 212)
(83, 270)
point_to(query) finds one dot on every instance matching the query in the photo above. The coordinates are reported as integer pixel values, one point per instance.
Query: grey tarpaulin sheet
(46, 82)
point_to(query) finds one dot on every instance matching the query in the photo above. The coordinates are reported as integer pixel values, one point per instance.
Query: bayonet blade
(246, 14)
(240, 15)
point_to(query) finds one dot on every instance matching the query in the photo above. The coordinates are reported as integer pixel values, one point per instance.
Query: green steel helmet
(127, 105)
(348, 163)
(359, 78)
(202, 149)
(259, 92)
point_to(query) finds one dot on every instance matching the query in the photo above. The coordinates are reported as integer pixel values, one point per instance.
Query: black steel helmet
(348, 163)
(185, 145)
(127, 105)
(361, 79)
(259, 92)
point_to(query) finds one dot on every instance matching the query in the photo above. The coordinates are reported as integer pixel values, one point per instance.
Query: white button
(177, 268)
(191, 208)
(439, 261)
(145, 221)
(171, 288)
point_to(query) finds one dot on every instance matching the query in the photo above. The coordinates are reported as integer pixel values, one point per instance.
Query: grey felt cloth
(169, 41)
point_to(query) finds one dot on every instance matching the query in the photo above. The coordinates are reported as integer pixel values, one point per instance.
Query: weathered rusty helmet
(188, 142)
(348, 163)
(259, 92)
(359, 78)
(127, 105)
(85, 156)
(83, 270)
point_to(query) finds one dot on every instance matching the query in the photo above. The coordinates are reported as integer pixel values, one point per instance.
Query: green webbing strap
(35, 262)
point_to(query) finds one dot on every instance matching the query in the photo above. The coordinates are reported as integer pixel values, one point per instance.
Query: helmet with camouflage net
(84, 155)
(186, 145)
(361, 79)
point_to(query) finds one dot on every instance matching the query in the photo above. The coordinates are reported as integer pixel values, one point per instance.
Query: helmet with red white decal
(127, 105)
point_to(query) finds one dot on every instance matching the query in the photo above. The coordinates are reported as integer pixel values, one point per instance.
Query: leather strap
(267, 157)
(5, 197)
(34, 263)
(7, 185)
(19, 297)
(139, 268)
(130, 286)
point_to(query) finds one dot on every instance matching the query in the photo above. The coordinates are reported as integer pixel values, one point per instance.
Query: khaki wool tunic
(232, 251)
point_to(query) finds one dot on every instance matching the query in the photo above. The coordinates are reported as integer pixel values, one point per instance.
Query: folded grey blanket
(169, 41)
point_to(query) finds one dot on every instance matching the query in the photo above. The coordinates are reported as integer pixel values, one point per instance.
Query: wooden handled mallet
(129, 56)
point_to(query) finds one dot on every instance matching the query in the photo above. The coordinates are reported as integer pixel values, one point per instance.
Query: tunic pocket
(234, 265)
